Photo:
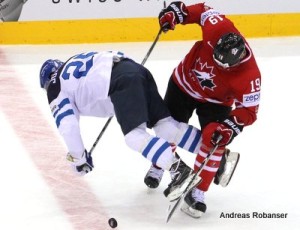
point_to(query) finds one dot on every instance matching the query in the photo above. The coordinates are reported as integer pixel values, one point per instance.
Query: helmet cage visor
(227, 65)
(47, 70)
(229, 50)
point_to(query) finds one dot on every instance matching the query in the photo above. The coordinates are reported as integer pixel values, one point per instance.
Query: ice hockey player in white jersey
(105, 84)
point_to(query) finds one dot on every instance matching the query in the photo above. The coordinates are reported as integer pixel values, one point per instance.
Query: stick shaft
(100, 134)
(109, 119)
(188, 187)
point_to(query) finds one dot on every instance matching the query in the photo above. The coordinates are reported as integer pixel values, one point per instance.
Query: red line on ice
(73, 194)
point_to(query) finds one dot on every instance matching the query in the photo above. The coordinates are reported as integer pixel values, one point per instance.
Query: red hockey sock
(211, 167)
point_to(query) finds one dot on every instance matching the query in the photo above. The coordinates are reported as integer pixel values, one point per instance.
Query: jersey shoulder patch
(53, 89)
(207, 14)
(251, 99)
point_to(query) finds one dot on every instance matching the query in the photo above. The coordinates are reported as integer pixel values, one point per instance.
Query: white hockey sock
(155, 149)
(181, 134)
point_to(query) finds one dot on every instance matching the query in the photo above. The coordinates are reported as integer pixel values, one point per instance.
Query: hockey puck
(112, 223)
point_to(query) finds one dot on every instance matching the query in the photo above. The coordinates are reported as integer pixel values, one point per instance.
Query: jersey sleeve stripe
(63, 115)
(61, 105)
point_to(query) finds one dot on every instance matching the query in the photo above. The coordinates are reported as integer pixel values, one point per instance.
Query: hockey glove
(175, 13)
(83, 165)
(227, 129)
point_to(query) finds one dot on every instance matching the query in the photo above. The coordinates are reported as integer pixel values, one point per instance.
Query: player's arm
(213, 23)
(244, 114)
(67, 121)
(247, 103)
(178, 13)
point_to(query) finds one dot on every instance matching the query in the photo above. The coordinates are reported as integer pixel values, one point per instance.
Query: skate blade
(191, 212)
(233, 160)
(176, 193)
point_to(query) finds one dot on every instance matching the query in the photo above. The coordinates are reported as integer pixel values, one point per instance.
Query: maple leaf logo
(204, 74)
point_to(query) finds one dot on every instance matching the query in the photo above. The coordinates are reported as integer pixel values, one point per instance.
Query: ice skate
(194, 204)
(181, 176)
(227, 167)
(153, 176)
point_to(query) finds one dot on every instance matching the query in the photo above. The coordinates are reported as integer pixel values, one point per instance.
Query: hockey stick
(109, 119)
(152, 46)
(143, 62)
(154, 43)
(100, 134)
(191, 184)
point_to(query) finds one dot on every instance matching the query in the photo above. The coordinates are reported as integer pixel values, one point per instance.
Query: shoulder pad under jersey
(53, 88)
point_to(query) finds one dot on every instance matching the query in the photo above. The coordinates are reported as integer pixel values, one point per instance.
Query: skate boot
(193, 204)
(227, 167)
(181, 176)
(153, 176)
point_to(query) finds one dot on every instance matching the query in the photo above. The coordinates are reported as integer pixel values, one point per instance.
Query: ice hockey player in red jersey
(220, 80)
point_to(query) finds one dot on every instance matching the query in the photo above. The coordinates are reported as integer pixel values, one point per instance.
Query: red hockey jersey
(200, 77)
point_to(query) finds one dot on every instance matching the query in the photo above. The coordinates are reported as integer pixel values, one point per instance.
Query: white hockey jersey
(81, 88)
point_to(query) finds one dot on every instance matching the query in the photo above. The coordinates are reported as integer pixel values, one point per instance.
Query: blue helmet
(49, 67)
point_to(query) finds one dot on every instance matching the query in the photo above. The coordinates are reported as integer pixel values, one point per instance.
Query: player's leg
(180, 134)
(160, 153)
(132, 90)
(194, 204)
(181, 108)
(209, 112)
(174, 132)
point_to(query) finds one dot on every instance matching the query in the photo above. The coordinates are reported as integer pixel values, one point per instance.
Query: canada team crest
(204, 74)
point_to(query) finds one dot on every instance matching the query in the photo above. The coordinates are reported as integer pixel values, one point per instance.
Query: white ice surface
(38, 190)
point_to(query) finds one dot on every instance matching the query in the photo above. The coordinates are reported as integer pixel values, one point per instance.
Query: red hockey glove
(227, 129)
(175, 13)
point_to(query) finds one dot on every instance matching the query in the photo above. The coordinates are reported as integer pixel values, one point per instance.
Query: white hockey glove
(81, 165)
